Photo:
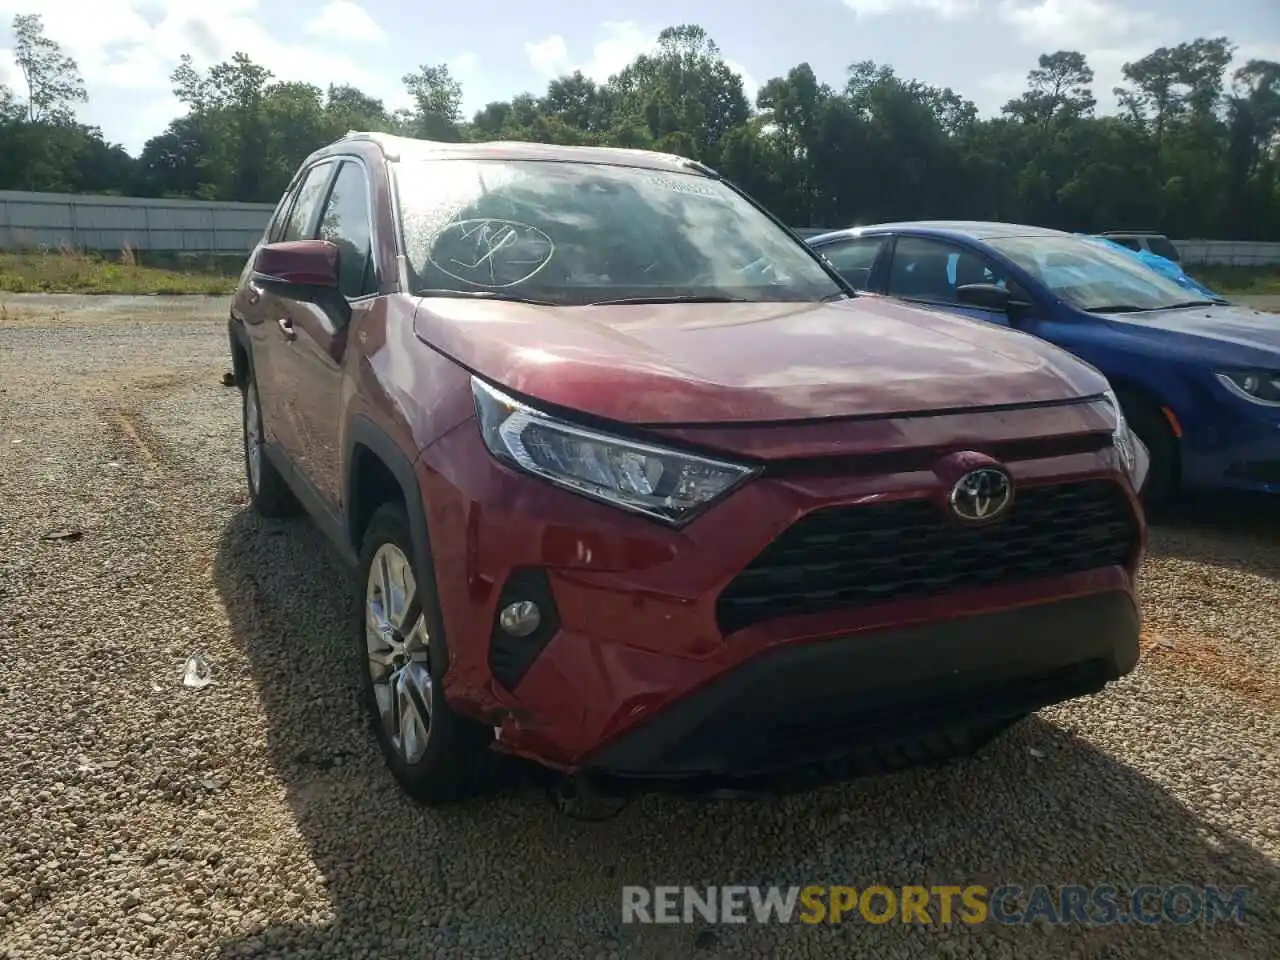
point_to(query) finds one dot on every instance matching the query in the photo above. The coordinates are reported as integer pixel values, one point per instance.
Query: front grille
(851, 556)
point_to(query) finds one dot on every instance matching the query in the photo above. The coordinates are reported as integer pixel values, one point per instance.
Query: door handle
(286, 327)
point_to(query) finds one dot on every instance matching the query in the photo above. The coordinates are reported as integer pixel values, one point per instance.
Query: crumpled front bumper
(898, 698)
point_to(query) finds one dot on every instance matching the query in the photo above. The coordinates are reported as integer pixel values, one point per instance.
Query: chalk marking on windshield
(488, 237)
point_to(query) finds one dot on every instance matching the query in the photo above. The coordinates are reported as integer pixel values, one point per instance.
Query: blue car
(1198, 378)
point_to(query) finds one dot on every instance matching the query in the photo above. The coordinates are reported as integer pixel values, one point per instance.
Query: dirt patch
(1200, 660)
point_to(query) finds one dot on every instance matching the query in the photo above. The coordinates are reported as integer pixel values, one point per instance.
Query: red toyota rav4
(639, 490)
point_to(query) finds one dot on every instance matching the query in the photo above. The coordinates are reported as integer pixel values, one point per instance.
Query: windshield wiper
(484, 295)
(1131, 308)
(672, 298)
(1184, 304)
(1119, 308)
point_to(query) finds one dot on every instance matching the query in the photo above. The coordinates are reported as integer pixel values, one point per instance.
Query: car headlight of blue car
(1257, 386)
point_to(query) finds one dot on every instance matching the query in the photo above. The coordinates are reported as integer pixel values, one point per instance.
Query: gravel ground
(254, 818)
(1262, 301)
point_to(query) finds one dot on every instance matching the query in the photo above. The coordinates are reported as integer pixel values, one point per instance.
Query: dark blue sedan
(1198, 379)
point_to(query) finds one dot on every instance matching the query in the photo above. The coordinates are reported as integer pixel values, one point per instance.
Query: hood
(1228, 326)
(750, 362)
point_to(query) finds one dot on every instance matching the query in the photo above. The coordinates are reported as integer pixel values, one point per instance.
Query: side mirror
(988, 296)
(984, 296)
(299, 263)
(305, 270)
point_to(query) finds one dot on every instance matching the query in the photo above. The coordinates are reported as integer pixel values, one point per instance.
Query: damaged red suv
(638, 489)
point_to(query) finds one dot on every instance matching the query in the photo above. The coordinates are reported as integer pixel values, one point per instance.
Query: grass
(1234, 281)
(71, 271)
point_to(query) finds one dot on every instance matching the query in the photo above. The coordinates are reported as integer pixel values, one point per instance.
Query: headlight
(660, 483)
(1122, 437)
(1260, 386)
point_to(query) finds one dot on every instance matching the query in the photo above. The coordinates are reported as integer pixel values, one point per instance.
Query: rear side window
(1130, 242)
(854, 258)
(1163, 248)
(345, 222)
(310, 192)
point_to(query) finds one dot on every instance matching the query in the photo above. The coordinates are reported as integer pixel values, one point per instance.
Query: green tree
(1188, 153)
(54, 84)
(437, 99)
(684, 93)
(1059, 90)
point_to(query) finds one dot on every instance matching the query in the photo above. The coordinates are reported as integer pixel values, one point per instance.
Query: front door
(927, 270)
(313, 360)
(273, 341)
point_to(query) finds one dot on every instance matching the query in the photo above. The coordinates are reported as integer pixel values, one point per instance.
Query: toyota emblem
(981, 494)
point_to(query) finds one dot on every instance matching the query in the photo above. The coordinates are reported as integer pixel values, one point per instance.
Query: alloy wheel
(397, 642)
(253, 437)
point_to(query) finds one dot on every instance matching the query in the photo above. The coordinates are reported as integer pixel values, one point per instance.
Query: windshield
(578, 233)
(1090, 276)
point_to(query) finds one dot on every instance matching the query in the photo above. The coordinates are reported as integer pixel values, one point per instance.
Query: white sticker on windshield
(487, 252)
(692, 186)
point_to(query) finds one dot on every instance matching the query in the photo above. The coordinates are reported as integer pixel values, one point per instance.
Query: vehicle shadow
(506, 875)
(1240, 531)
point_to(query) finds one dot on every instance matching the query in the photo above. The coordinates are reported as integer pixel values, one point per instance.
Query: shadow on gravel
(505, 875)
(1239, 531)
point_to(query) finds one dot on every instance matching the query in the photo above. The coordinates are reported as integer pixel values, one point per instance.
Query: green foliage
(1192, 152)
(73, 272)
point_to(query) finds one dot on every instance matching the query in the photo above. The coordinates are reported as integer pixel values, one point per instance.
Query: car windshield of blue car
(571, 233)
(1092, 277)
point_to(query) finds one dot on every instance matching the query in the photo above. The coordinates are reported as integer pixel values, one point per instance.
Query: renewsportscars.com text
(1008, 904)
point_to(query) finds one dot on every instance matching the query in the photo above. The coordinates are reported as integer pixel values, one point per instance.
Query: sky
(126, 49)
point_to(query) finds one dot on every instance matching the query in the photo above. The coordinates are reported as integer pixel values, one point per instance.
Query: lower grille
(844, 557)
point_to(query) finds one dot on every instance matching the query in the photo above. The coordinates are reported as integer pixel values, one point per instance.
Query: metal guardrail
(1228, 253)
(85, 222)
(108, 223)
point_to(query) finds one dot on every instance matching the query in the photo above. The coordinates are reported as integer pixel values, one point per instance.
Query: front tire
(269, 495)
(435, 755)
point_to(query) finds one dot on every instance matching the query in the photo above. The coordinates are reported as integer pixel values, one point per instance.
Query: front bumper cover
(876, 702)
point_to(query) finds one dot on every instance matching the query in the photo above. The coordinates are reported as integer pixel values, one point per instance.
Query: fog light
(520, 618)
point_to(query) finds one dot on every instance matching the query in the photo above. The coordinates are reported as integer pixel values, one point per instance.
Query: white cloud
(128, 49)
(946, 9)
(750, 85)
(549, 56)
(1078, 24)
(9, 74)
(997, 89)
(619, 44)
(1244, 53)
(463, 64)
(1108, 34)
(135, 44)
(342, 21)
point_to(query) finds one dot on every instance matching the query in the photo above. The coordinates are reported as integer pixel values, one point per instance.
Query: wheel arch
(1125, 385)
(1130, 390)
(377, 471)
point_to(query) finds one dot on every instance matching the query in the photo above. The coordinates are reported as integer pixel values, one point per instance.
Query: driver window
(931, 270)
(302, 215)
(345, 222)
(854, 258)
